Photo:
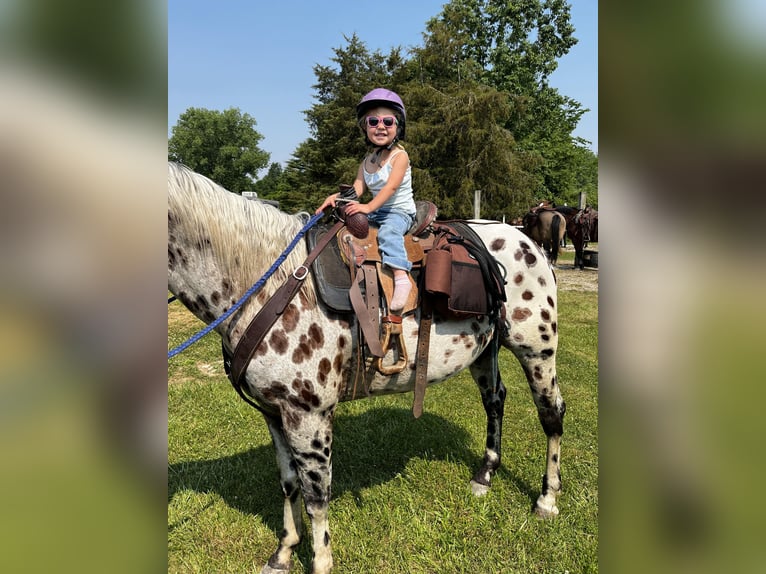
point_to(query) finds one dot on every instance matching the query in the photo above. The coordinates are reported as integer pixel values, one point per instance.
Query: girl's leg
(393, 226)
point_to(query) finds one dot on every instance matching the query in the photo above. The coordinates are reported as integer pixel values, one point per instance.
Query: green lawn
(401, 499)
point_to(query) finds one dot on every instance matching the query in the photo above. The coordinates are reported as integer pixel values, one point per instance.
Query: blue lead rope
(194, 338)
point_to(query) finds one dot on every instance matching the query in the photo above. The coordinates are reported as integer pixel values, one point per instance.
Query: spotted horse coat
(219, 244)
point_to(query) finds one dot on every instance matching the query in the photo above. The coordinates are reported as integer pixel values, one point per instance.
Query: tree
(512, 47)
(220, 145)
(459, 140)
(480, 114)
(585, 177)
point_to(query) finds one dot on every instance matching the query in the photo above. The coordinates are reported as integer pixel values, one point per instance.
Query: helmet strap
(375, 157)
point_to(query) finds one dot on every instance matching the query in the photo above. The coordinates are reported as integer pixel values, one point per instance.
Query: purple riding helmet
(386, 98)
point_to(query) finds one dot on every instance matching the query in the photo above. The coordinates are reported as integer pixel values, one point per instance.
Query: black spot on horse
(203, 243)
(278, 341)
(202, 304)
(316, 335)
(182, 257)
(295, 402)
(226, 288)
(172, 220)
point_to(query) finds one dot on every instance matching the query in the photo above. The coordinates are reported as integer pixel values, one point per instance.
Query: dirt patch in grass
(570, 278)
(573, 279)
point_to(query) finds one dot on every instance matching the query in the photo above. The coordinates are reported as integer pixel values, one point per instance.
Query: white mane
(246, 237)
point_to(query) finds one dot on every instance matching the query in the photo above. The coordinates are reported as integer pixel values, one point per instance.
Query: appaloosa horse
(547, 228)
(220, 243)
(582, 227)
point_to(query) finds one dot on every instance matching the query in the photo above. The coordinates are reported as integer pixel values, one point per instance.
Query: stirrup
(392, 330)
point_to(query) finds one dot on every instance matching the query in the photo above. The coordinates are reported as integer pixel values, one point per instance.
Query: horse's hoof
(546, 512)
(479, 489)
(270, 570)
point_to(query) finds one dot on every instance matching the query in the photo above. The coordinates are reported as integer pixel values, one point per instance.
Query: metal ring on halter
(305, 272)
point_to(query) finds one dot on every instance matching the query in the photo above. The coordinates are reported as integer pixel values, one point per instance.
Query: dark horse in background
(582, 227)
(547, 228)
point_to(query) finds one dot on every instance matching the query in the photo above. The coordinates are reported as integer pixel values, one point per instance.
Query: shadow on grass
(369, 449)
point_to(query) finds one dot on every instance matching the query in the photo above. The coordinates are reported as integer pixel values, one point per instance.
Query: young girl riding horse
(387, 174)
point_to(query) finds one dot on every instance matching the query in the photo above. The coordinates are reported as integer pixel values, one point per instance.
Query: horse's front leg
(280, 561)
(310, 437)
(493, 398)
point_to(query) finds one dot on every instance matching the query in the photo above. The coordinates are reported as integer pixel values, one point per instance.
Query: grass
(401, 500)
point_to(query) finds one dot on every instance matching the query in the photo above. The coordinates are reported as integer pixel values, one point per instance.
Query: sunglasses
(373, 121)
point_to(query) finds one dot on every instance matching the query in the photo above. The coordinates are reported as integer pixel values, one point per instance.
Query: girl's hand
(328, 202)
(353, 208)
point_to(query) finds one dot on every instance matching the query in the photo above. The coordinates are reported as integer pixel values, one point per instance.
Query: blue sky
(259, 56)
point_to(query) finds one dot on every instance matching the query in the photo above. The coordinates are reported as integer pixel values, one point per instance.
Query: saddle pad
(331, 269)
(331, 275)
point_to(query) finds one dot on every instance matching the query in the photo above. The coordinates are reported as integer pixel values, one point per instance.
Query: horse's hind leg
(540, 370)
(487, 376)
(292, 515)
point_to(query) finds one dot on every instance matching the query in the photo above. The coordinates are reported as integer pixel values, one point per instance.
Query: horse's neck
(210, 274)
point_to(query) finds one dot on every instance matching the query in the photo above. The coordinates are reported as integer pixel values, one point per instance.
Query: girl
(386, 173)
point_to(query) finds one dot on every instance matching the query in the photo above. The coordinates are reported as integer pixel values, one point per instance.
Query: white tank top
(403, 198)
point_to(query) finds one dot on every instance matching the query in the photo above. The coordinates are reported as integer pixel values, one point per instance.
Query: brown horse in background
(582, 227)
(546, 227)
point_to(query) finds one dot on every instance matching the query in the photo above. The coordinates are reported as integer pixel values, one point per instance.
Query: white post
(477, 204)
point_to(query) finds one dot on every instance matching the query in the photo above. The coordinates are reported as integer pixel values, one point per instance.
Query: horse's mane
(244, 236)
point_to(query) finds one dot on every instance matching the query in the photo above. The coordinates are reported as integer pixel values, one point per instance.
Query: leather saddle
(331, 269)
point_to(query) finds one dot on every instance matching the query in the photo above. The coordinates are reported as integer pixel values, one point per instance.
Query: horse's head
(587, 220)
(530, 219)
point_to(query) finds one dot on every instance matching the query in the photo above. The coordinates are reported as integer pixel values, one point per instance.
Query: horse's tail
(555, 239)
